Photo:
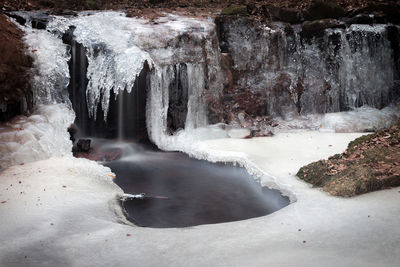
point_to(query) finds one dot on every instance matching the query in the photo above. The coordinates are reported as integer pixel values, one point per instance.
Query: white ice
(50, 64)
(118, 46)
(39, 136)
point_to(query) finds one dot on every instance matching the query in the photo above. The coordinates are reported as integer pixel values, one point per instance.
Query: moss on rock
(370, 163)
(235, 10)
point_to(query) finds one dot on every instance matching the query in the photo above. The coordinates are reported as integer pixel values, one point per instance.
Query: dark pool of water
(187, 192)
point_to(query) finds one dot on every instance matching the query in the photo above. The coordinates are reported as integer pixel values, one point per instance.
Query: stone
(383, 12)
(316, 28)
(323, 9)
(288, 15)
(83, 145)
(72, 130)
(359, 19)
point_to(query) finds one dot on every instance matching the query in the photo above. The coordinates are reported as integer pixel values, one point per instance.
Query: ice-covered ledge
(275, 161)
(74, 227)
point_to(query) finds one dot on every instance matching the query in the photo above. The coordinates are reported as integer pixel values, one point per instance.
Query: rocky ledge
(370, 163)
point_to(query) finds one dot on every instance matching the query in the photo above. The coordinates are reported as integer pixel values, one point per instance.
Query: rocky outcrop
(15, 92)
(370, 163)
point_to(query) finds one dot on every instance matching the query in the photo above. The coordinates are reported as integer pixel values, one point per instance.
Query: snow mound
(39, 136)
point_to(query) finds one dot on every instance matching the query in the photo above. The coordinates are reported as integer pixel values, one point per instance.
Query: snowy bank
(74, 225)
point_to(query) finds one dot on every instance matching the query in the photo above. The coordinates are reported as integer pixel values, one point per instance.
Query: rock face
(15, 92)
(317, 67)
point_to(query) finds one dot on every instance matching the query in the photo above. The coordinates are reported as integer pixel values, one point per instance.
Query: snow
(81, 225)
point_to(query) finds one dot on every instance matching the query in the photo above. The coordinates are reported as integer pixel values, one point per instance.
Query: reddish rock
(97, 154)
(15, 92)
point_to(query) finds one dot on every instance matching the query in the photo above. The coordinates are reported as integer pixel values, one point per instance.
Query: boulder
(288, 15)
(83, 145)
(316, 28)
(383, 12)
(323, 9)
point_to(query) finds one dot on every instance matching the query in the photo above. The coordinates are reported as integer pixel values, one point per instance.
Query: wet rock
(72, 130)
(388, 12)
(316, 28)
(38, 19)
(20, 19)
(359, 19)
(83, 145)
(253, 103)
(97, 154)
(178, 98)
(261, 133)
(227, 71)
(323, 9)
(284, 14)
(39, 23)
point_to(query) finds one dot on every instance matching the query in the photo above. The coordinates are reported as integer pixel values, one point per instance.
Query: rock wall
(15, 92)
(315, 67)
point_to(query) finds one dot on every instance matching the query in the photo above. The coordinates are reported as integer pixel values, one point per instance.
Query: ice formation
(40, 136)
(117, 48)
(336, 70)
(345, 69)
(51, 75)
(360, 119)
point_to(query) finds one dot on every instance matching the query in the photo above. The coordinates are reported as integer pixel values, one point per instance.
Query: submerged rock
(83, 145)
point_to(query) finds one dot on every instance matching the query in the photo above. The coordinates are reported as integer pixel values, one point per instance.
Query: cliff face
(15, 93)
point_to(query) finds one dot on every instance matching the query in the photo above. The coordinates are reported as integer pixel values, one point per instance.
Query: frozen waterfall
(123, 74)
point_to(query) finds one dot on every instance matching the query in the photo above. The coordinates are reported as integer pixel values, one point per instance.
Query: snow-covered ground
(67, 215)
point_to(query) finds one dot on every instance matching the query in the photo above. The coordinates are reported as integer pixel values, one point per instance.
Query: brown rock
(14, 71)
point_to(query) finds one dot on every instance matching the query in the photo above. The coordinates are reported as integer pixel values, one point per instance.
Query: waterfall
(336, 69)
(133, 77)
(110, 55)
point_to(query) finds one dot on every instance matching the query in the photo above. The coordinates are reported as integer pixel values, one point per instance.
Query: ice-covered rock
(338, 69)
(39, 136)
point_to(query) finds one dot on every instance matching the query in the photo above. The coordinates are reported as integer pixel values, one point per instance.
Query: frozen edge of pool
(231, 151)
(241, 159)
